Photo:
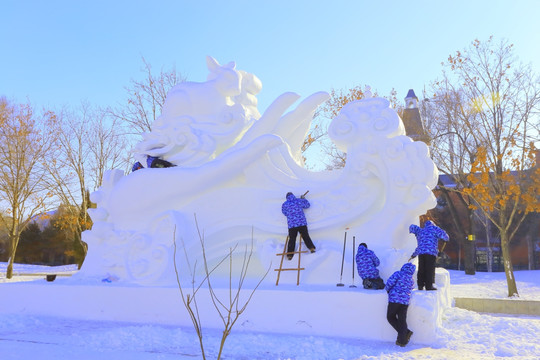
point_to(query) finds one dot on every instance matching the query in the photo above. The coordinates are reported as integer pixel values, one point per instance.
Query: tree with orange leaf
(25, 140)
(487, 108)
(505, 197)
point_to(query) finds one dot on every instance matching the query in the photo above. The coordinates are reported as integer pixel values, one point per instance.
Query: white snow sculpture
(234, 169)
(200, 120)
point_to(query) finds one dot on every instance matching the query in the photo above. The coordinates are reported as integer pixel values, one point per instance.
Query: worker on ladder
(293, 209)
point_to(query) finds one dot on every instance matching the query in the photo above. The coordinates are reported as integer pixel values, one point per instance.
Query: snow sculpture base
(288, 309)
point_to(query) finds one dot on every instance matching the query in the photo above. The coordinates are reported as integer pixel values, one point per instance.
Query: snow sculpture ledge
(234, 167)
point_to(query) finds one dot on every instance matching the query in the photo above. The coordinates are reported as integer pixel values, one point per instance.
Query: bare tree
(86, 146)
(488, 105)
(228, 310)
(145, 99)
(109, 149)
(25, 140)
(453, 150)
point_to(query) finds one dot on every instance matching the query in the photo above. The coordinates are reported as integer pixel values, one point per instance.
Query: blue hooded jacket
(366, 263)
(400, 284)
(427, 238)
(293, 209)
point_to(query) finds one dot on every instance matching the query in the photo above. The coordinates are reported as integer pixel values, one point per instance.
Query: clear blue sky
(61, 52)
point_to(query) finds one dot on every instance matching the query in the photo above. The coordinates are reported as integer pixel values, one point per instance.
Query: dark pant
(160, 163)
(375, 284)
(426, 271)
(396, 314)
(305, 236)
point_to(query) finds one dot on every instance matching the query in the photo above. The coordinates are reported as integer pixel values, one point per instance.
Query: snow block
(287, 309)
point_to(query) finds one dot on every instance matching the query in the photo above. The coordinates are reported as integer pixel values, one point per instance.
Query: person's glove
(440, 254)
(302, 197)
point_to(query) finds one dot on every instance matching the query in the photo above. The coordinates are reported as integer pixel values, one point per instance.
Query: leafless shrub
(229, 310)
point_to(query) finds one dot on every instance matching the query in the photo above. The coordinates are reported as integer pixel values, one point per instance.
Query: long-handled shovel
(353, 260)
(342, 261)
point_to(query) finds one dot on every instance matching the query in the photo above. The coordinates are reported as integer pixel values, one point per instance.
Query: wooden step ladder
(299, 252)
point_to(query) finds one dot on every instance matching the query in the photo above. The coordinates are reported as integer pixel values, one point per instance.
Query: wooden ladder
(299, 252)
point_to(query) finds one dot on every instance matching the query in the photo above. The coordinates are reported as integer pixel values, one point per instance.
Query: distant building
(412, 120)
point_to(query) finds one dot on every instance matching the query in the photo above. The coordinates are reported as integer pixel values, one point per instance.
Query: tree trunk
(470, 268)
(530, 252)
(14, 243)
(9, 272)
(468, 260)
(508, 268)
(470, 263)
(489, 252)
(459, 255)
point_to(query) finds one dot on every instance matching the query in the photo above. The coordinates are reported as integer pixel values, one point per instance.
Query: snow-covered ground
(465, 334)
(493, 285)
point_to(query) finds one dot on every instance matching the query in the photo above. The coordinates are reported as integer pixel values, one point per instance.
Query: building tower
(412, 120)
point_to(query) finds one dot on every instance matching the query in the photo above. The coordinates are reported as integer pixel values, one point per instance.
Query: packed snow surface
(464, 334)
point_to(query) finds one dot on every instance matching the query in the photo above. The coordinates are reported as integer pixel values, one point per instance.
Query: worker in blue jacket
(366, 263)
(427, 250)
(293, 209)
(399, 288)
